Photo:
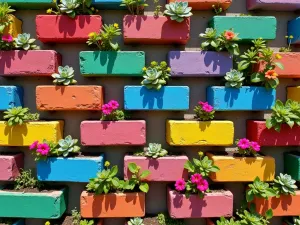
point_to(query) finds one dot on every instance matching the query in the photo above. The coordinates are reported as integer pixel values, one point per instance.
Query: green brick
(30, 4)
(292, 165)
(248, 27)
(122, 63)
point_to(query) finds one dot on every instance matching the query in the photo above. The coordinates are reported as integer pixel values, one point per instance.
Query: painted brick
(155, 30)
(69, 97)
(276, 5)
(77, 169)
(19, 222)
(14, 28)
(29, 63)
(31, 4)
(242, 169)
(141, 98)
(42, 205)
(163, 169)
(122, 63)
(10, 166)
(240, 99)
(63, 29)
(293, 93)
(103, 133)
(11, 96)
(292, 165)
(207, 4)
(199, 133)
(108, 4)
(257, 26)
(215, 204)
(199, 63)
(257, 131)
(293, 29)
(26, 134)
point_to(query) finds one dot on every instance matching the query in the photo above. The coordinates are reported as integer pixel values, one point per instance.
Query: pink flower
(106, 109)
(203, 103)
(43, 149)
(196, 178)
(202, 185)
(255, 146)
(114, 104)
(8, 38)
(180, 185)
(244, 143)
(207, 108)
(33, 145)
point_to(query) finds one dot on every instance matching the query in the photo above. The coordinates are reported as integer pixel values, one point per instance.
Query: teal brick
(30, 4)
(248, 27)
(108, 4)
(122, 63)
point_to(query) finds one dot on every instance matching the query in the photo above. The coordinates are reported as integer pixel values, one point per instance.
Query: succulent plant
(19, 115)
(225, 221)
(65, 76)
(155, 150)
(23, 41)
(259, 189)
(67, 145)
(86, 222)
(284, 184)
(234, 79)
(136, 221)
(68, 7)
(153, 79)
(296, 221)
(251, 217)
(178, 11)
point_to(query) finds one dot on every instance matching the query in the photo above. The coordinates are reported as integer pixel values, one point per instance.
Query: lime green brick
(30, 4)
(248, 27)
(122, 63)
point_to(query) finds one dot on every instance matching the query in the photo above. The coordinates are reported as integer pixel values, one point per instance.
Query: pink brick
(101, 133)
(29, 63)
(10, 166)
(169, 168)
(214, 204)
(63, 29)
(155, 30)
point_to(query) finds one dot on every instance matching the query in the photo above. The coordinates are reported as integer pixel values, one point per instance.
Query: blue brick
(19, 222)
(79, 169)
(240, 99)
(294, 29)
(10, 96)
(108, 4)
(167, 98)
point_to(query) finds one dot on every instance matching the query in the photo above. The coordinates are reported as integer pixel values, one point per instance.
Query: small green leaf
(144, 187)
(269, 214)
(133, 168)
(145, 174)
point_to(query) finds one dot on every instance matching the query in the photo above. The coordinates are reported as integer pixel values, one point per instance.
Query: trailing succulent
(65, 76)
(67, 146)
(26, 181)
(234, 79)
(23, 41)
(251, 217)
(178, 11)
(18, 116)
(155, 151)
(136, 221)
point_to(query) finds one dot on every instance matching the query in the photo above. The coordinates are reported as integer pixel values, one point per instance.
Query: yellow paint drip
(15, 27)
(293, 93)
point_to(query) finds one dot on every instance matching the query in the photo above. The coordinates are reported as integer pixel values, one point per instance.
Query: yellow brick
(293, 93)
(199, 133)
(242, 169)
(27, 133)
(15, 27)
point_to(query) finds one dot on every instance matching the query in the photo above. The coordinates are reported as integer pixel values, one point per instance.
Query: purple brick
(276, 5)
(199, 63)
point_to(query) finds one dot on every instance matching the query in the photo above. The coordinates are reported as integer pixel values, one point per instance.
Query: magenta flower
(255, 146)
(8, 38)
(180, 185)
(196, 178)
(202, 185)
(114, 104)
(203, 103)
(244, 143)
(106, 109)
(33, 145)
(43, 149)
(207, 108)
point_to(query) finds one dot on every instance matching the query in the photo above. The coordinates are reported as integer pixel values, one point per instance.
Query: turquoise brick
(294, 29)
(30, 4)
(248, 27)
(19, 222)
(10, 96)
(108, 4)
(122, 63)
(240, 99)
(79, 169)
(167, 98)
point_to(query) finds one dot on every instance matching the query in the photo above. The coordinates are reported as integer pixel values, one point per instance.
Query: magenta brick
(169, 168)
(102, 133)
(29, 63)
(10, 166)
(214, 204)
(63, 29)
(276, 5)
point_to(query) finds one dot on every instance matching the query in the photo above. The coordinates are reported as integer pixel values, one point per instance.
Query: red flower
(229, 35)
(271, 74)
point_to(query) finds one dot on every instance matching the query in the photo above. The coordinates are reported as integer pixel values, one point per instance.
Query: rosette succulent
(67, 146)
(284, 184)
(19, 115)
(155, 150)
(65, 76)
(136, 221)
(178, 11)
(225, 221)
(234, 79)
(153, 79)
(69, 7)
(23, 41)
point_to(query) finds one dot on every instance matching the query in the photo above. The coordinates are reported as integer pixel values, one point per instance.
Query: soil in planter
(9, 154)
(233, 154)
(44, 189)
(151, 221)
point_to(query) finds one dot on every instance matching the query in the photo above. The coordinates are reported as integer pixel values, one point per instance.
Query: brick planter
(257, 131)
(276, 5)
(199, 63)
(14, 28)
(207, 4)
(155, 30)
(29, 63)
(63, 29)
(121, 63)
(293, 29)
(11, 96)
(257, 26)
(31, 4)
(111, 133)
(141, 98)
(77, 169)
(112, 205)
(240, 99)
(242, 169)
(163, 169)
(10, 166)
(199, 133)
(292, 164)
(49, 98)
(215, 204)
(293, 93)
(42, 205)
(26, 134)
(286, 205)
